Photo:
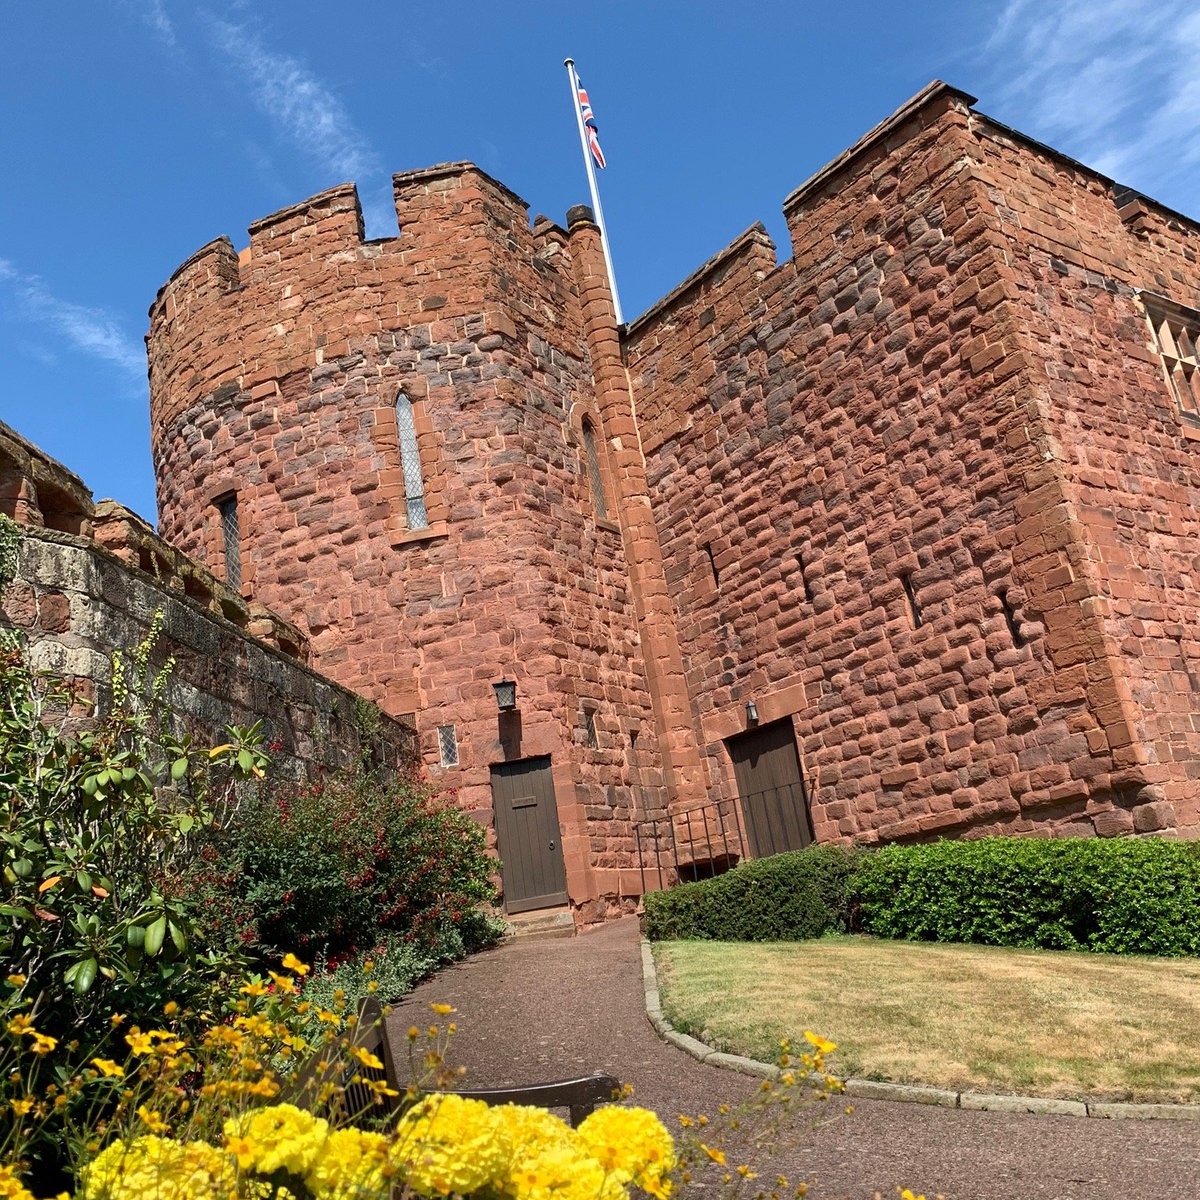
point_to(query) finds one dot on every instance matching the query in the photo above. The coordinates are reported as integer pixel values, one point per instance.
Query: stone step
(541, 923)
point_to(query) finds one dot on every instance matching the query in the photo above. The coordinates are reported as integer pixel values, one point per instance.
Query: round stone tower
(396, 444)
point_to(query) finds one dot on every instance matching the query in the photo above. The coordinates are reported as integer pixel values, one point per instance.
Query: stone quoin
(893, 538)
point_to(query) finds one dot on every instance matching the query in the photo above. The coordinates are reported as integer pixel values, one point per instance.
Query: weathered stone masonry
(95, 586)
(920, 492)
(948, 388)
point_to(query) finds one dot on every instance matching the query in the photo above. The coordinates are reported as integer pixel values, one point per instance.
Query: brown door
(774, 802)
(527, 835)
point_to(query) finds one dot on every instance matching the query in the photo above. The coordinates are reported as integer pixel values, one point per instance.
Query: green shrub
(97, 827)
(388, 971)
(785, 898)
(1118, 896)
(333, 867)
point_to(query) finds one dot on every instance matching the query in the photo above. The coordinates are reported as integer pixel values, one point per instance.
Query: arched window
(410, 464)
(593, 468)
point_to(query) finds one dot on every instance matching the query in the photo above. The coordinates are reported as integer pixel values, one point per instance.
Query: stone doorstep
(541, 923)
(902, 1093)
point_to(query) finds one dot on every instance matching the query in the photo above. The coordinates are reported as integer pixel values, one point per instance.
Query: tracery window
(1176, 336)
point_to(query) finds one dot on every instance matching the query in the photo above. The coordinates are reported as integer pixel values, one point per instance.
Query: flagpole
(569, 63)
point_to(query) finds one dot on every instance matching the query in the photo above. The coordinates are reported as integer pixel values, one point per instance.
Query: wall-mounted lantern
(751, 713)
(506, 695)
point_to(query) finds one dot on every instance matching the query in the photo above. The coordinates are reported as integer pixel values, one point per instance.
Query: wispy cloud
(304, 109)
(1111, 82)
(154, 14)
(300, 105)
(94, 331)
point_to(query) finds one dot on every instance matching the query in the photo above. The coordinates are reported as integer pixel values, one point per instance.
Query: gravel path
(542, 1009)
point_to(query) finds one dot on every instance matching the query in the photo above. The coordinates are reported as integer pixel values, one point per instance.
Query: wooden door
(771, 787)
(527, 835)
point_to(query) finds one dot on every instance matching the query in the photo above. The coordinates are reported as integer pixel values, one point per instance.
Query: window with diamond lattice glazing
(410, 464)
(231, 538)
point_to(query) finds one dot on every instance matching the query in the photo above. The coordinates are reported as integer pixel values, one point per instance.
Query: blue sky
(134, 131)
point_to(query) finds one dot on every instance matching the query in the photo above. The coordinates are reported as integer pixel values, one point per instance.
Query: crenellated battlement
(310, 286)
(868, 495)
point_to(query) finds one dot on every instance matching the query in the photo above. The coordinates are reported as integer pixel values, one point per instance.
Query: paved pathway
(536, 1010)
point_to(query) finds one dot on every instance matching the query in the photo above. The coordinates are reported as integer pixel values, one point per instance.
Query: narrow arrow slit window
(231, 538)
(410, 464)
(592, 453)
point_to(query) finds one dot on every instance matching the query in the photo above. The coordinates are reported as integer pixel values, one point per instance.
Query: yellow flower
(447, 1145)
(349, 1163)
(443, 1009)
(43, 1043)
(154, 1168)
(170, 1008)
(20, 1025)
(152, 1120)
(15, 980)
(367, 1058)
(21, 1108)
(819, 1043)
(11, 1187)
(253, 989)
(630, 1143)
(116, 1019)
(285, 983)
(107, 1067)
(718, 1156)
(292, 963)
(242, 1149)
(139, 1042)
(279, 1137)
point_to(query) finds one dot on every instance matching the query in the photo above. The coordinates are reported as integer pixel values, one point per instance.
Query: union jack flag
(589, 124)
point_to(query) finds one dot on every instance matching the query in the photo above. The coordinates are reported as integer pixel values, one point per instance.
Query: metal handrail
(680, 845)
(710, 838)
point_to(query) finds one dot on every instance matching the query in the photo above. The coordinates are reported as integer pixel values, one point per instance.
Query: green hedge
(785, 898)
(1113, 895)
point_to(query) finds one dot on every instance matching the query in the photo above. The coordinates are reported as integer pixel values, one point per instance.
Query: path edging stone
(903, 1093)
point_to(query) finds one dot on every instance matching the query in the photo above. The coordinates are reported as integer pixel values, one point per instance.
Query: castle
(892, 538)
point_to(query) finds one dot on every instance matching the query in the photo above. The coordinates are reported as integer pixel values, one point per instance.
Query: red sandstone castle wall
(1132, 465)
(821, 430)
(277, 376)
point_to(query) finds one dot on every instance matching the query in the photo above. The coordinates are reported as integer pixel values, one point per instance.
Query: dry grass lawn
(964, 1017)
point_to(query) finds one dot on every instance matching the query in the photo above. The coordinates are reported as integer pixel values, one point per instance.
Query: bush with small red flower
(334, 868)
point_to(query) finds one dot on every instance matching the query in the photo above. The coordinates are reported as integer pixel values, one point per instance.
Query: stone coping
(871, 1089)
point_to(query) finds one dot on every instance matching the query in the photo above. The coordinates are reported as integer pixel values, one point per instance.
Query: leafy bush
(98, 825)
(387, 971)
(1111, 895)
(333, 867)
(1118, 896)
(787, 897)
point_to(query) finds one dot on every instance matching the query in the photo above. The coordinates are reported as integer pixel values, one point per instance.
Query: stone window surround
(215, 494)
(583, 416)
(1161, 311)
(386, 437)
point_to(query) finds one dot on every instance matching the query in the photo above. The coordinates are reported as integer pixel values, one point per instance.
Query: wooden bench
(579, 1095)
